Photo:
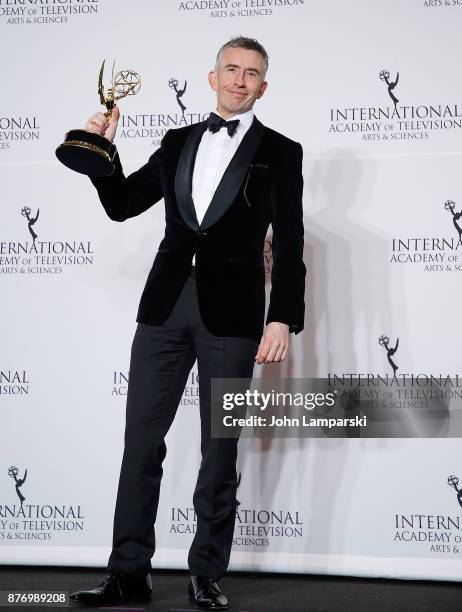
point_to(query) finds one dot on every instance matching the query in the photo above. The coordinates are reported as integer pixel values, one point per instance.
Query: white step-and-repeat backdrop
(373, 91)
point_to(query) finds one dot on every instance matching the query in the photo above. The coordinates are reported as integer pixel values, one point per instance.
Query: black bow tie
(215, 123)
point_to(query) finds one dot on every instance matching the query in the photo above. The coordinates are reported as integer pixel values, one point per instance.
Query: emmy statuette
(90, 153)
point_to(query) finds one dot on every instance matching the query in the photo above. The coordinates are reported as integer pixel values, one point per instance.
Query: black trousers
(161, 359)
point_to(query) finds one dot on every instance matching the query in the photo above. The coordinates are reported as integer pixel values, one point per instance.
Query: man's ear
(213, 80)
(262, 89)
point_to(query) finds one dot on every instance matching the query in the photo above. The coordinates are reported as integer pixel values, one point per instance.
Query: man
(223, 181)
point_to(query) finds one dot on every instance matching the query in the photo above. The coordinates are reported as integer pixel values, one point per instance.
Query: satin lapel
(183, 176)
(234, 175)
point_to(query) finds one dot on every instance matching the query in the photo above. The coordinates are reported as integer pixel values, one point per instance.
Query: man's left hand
(274, 343)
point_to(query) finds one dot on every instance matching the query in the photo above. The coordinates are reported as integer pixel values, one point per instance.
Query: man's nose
(239, 79)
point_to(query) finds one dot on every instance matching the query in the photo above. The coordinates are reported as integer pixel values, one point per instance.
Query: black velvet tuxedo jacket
(262, 184)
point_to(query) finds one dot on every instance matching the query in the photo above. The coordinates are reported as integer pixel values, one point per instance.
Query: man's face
(238, 81)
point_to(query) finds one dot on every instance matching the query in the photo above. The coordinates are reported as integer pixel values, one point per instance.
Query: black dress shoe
(117, 588)
(206, 594)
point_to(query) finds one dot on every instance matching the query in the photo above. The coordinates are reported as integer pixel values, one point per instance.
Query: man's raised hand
(99, 124)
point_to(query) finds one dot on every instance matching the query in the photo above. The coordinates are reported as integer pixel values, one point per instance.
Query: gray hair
(242, 42)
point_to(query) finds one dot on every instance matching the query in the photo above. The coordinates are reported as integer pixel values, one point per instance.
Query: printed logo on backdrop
(153, 126)
(173, 84)
(394, 119)
(453, 481)
(38, 12)
(385, 342)
(432, 533)
(21, 519)
(434, 253)
(31, 221)
(392, 376)
(450, 206)
(397, 401)
(13, 472)
(19, 129)
(385, 76)
(254, 528)
(37, 254)
(14, 382)
(222, 9)
(190, 395)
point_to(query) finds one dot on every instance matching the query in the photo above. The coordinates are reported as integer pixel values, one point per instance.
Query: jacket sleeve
(125, 197)
(287, 297)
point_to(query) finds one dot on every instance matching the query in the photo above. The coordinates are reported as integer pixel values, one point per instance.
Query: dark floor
(255, 592)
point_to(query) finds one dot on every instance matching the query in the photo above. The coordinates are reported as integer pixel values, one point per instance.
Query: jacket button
(203, 234)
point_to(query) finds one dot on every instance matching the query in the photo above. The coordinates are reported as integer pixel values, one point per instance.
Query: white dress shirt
(213, 156)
